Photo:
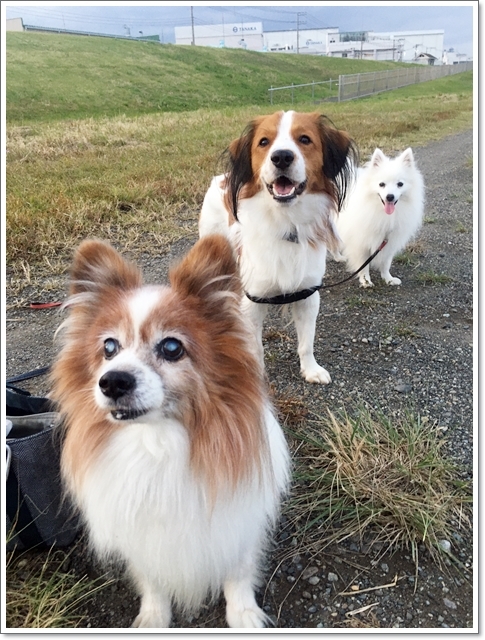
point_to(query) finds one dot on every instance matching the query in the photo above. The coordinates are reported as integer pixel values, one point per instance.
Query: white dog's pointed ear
(377, 158)
(407, 157)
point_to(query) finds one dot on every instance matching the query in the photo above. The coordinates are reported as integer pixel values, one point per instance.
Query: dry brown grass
(42, 594)
(140, 181)
(368, 473)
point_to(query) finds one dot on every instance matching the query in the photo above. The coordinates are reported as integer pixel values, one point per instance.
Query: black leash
(288, 298)
(27, 376)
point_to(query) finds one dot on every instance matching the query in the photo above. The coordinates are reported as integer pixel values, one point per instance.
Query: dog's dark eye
(400, 184)
(111, 347)
(264, 142)
(171, 349)
(305, 140)
(382, 184)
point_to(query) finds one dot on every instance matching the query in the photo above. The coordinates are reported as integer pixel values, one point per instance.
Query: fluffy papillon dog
(171, 451)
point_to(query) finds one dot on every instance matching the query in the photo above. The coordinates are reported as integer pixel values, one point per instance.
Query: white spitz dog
(386, 203)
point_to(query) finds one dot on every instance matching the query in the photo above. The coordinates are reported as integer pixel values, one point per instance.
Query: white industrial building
(425, 47)
(405, 46)
(247, 35)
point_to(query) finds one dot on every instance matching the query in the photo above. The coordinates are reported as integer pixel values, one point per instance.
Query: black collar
(288, 298)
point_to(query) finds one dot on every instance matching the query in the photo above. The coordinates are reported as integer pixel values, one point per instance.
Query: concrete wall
(14, 24)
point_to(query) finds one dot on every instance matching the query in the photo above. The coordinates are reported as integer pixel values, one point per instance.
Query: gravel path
(390, 347)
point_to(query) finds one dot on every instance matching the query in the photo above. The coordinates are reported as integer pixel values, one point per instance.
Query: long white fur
(363, 224)
(148, 507)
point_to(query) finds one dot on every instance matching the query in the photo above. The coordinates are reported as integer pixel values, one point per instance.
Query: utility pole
(192, 21)
(298, 14)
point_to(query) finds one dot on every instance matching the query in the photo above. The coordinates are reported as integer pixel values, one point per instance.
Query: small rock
(445, 545)
(449, 603)
(385, 567)
(332, 577)
(309, 572)
(313, 580)
(402, 387)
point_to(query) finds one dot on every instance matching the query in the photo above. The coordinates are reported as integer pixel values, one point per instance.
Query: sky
(160, 18)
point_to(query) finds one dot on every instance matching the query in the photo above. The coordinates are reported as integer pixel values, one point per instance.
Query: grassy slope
(54, 77)
(140, 178)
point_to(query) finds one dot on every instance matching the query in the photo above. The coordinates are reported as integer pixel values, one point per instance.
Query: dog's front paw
(366, 282)
(248, 618)
(393, 281)
(151, 620)
(316, 375)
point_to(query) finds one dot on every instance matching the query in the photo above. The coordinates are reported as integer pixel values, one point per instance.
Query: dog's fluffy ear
(238, 168)
(97, 264)
(340, 157)
(208, 268)
(377, 158)
(407, 157)
(337, 147)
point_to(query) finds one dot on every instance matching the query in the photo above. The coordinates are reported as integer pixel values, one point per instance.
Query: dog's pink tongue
(389, 207)
(283, 187)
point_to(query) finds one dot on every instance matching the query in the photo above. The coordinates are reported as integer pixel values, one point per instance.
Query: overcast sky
(160, 18)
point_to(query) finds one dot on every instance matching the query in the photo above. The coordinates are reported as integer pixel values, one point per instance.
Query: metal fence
(358, 85)
(365, 84)
(325, 90)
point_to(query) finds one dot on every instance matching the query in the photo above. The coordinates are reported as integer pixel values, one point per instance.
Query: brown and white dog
(285, 180)
(172, 451)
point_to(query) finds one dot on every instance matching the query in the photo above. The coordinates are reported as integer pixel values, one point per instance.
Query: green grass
(53, 77)
(41, 594)
(431, 277)
(119, 139)
(141, 180)
(373, 474)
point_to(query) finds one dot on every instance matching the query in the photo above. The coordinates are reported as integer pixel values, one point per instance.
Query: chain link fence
(358, 85)
(365, 84)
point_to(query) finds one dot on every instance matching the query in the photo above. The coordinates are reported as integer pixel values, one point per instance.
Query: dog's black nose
(282, 158)
(390, 197)
(115, 384)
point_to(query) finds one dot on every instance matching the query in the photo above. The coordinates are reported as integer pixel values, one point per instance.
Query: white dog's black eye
(305, 140)
(264, 142)
(382, 184)
(171, 349)
(111, 347)
(399, 184)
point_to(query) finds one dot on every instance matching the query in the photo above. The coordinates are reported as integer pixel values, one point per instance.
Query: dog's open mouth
(283, 189)
(128, 414)
(389, 206)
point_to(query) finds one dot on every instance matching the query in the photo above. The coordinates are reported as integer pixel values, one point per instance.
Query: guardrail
(359, 85)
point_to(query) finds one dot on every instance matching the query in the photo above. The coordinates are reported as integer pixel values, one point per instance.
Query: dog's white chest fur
(148, 506)
(277, 253)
